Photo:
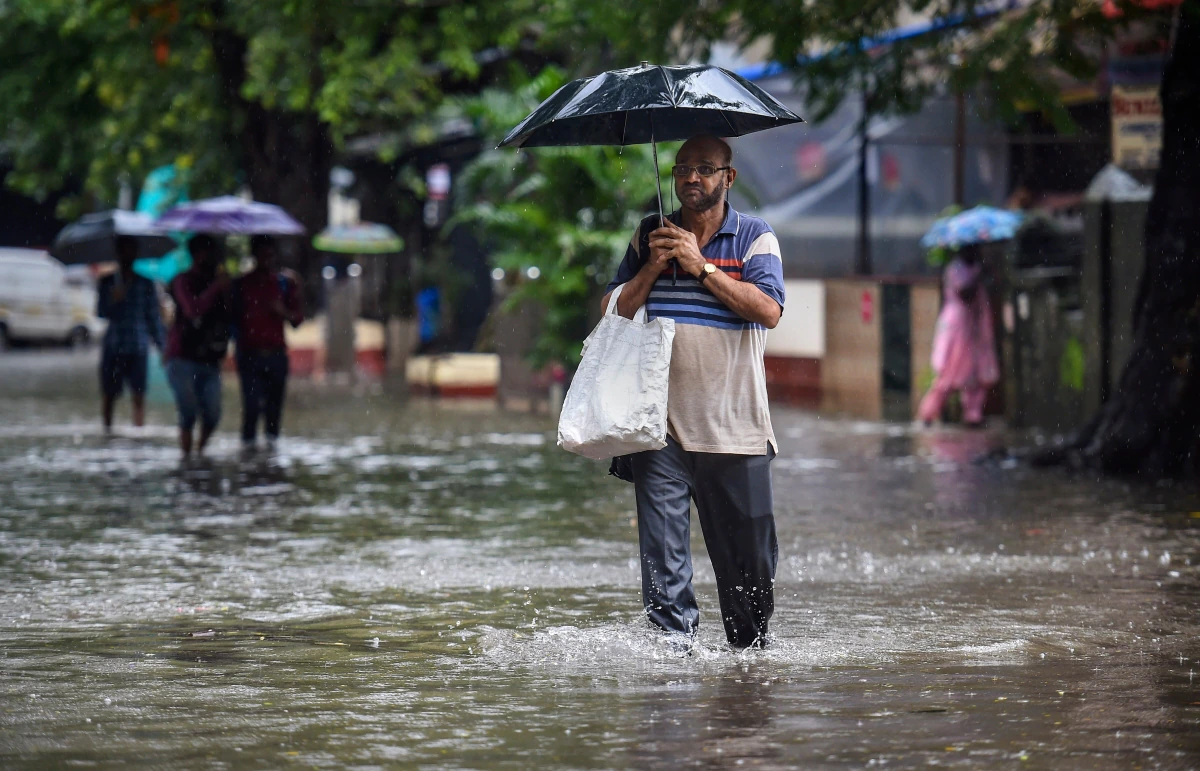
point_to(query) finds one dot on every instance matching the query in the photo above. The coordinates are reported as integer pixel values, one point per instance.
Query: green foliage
(93, 91)
(1072, 365)
(85, 101)
(1015, 56)
(569, 212)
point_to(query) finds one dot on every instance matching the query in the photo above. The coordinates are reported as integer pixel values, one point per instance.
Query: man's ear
(730, 176)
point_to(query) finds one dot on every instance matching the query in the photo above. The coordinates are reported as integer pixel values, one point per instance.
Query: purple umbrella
(229, 215)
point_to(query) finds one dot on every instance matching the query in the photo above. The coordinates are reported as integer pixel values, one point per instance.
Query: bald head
(700, 193)
(708, 147)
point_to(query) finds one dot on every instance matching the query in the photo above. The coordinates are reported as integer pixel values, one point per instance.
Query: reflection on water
(715, 721)
(428, 586)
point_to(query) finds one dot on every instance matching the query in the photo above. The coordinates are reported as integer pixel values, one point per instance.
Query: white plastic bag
(617, 403)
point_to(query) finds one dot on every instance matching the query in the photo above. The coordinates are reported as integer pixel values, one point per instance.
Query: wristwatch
(707, 271)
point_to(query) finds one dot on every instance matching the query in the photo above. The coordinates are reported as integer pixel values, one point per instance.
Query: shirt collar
(733, 221)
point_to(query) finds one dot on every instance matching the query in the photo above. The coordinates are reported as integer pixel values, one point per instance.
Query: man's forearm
(746, 300)
(635, 292)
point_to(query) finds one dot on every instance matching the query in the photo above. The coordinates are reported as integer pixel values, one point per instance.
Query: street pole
(960, 146)
(862, 264)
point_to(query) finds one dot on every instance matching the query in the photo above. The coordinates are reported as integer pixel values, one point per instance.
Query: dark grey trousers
(734, 505)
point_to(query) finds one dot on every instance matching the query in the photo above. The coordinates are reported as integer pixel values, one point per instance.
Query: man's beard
(705, 202)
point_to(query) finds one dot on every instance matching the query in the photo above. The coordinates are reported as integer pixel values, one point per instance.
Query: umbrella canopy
(92, 237)
(230, 215)
(973, 226)
(650, 103)
(165, 268)
(363, 238)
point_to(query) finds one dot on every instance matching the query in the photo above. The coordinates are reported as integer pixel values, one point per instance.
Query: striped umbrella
(363, 238)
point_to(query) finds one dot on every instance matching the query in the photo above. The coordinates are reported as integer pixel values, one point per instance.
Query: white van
(40, 300)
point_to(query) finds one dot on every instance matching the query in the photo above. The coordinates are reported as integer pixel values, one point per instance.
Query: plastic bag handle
(639, 316)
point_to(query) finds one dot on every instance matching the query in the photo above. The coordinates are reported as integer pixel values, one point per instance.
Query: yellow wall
(851, 374)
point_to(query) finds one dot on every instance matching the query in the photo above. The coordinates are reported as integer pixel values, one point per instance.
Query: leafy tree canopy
(1017, 53)
(567, 212)
(94, 90)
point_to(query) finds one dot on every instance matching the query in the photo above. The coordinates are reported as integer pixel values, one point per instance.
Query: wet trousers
(197, 388)
(734, 505)
(973, 400)
(264, 381)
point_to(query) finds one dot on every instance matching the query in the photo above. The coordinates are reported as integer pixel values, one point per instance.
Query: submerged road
(438, 586)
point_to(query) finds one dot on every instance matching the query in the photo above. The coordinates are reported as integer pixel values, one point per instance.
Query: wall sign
(1136, 126)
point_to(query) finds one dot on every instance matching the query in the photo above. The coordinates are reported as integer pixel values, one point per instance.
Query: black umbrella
(92, 237)
(650, 103)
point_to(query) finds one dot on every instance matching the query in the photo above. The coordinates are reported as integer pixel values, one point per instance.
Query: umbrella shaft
(657, 174)
(658, 186)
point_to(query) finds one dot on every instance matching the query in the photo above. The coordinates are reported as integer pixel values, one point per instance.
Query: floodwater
(425, 586)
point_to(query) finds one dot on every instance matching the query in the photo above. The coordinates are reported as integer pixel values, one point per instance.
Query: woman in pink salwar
(964, 350)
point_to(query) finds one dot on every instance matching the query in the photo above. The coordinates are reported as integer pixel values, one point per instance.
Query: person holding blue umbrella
(964, 346)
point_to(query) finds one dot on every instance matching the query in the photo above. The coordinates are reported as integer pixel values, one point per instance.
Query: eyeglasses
(704, 170)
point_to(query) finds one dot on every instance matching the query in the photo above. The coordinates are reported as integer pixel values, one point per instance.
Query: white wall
(801, 330)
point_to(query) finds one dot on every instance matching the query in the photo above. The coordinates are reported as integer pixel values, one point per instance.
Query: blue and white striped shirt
(717, 400)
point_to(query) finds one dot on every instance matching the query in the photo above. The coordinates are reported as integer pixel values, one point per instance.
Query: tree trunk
(286, 156)
(288, 160)
(1150, 424)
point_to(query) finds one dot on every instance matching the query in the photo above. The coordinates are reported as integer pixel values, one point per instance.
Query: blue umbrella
(973, 226)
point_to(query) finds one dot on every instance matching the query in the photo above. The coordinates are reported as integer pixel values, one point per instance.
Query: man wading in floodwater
(719, 275)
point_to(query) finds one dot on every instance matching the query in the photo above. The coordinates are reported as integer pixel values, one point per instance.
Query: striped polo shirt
(717, 400)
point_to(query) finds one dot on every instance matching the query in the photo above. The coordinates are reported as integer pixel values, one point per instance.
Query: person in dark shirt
(265, 298)
(130, 303)
(198, 342)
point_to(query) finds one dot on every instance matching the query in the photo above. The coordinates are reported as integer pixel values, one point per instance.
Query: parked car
(42, 301)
